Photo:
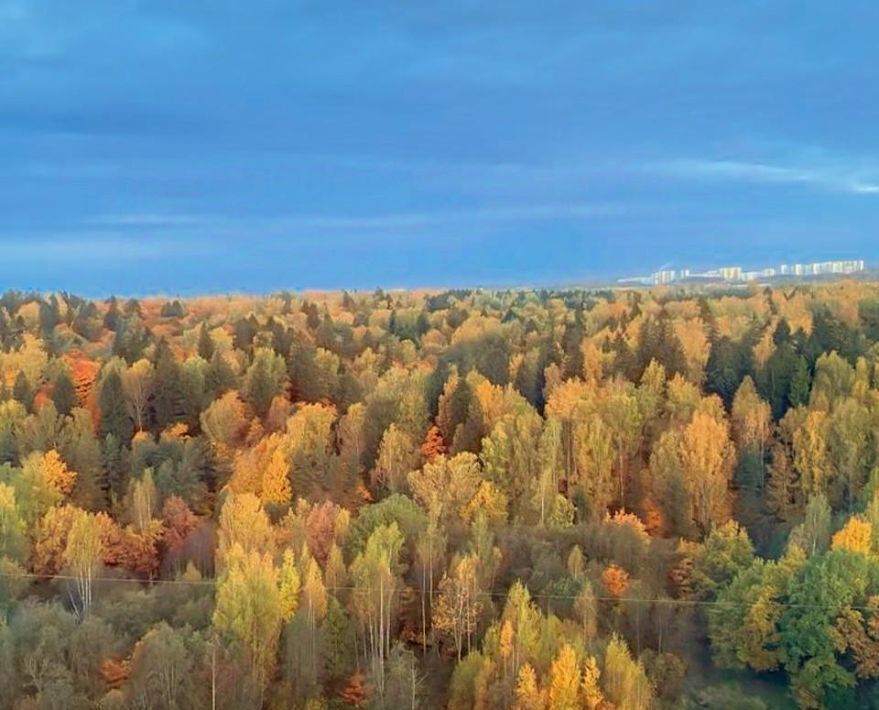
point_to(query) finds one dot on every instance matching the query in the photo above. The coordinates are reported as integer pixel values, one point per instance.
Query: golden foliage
(855, 536)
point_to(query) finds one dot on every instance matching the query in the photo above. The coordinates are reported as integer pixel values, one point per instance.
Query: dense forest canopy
(464, 499)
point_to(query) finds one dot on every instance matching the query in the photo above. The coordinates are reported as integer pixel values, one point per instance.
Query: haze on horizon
(207, 147)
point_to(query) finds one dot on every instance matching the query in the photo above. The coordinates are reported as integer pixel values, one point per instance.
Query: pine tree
(21, 390)
(205, 343)
(114, 418)
(167, 398)
(64, 394)
(800, 384)
(219, 377)
(114, 464)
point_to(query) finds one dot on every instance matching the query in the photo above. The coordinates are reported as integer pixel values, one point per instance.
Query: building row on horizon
(737, 274)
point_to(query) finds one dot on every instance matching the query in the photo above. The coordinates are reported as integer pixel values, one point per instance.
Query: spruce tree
(64, 394)
(205, 343)
(21, 390)
(167, 400)
(115, 418)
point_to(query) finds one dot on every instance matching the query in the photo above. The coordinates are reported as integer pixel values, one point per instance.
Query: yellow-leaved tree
(564, 680)
(249, 610)
(855, 536)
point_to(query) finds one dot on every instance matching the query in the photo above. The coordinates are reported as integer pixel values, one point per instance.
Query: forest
(530, 499)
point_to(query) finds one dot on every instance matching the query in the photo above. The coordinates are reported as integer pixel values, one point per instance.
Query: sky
(195, 147)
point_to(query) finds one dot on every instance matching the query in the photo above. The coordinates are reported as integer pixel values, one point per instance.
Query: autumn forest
(530, 499)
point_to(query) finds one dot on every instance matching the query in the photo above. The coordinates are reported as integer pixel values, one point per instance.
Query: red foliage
(114, 673)
(135, 551)
(433, 444)
(43, 396)
(179, 521)
(321, 529)
(355, 693)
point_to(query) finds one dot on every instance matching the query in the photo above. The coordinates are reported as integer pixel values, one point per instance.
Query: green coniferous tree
(64, 394)
(114, 418)
(205, 343)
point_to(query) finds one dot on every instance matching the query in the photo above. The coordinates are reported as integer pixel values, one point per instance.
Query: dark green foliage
(115, 418)
(63, 394)
(205, 343)
(658, 341)
(167, 400)
(728, 364)
(22, 391)
(219, 377)
(173, 309)
(114, 462)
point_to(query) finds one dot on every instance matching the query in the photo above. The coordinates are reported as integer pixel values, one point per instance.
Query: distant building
(668, 276)
(735, 273)
(731, 273)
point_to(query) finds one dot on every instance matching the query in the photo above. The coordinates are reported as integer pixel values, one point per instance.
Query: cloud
(328, 223)
(829, 178)
(488, 215)
(90, 247)
(151, 220)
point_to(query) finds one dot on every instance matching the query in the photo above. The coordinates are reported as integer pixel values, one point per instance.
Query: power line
(493, 594)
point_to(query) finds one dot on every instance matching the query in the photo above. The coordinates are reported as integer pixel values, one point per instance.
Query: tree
(205, 346)
(355, 693)
(179, 522)
(289, 586)
(727, 550)
(396, 458)
(12, 529)
(751, 421)
(457, 607)
(167, 401)
(826, 587)
(615, 580)
(160, 672)
(249, 610)
(625, 682)
(433, 444)
(243, 522)
(225, 421)
(564, 680)
(447, 485)
(144, 500)
(745, 624)
(707, 459)
(64, 394)
(590, 689)
(813, 534)
(528, 695)
(855, 536)
(137, 383)
(376, 573)
(83, 556)
(800, 384)
(44, 482)
(586, 610)
(55, 472)
(113, 405)
(276, 480)
(264, 379)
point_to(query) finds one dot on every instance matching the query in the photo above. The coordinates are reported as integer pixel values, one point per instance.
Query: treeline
(466, 499)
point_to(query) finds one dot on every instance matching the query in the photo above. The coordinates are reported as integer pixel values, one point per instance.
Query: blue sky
(195, 146)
